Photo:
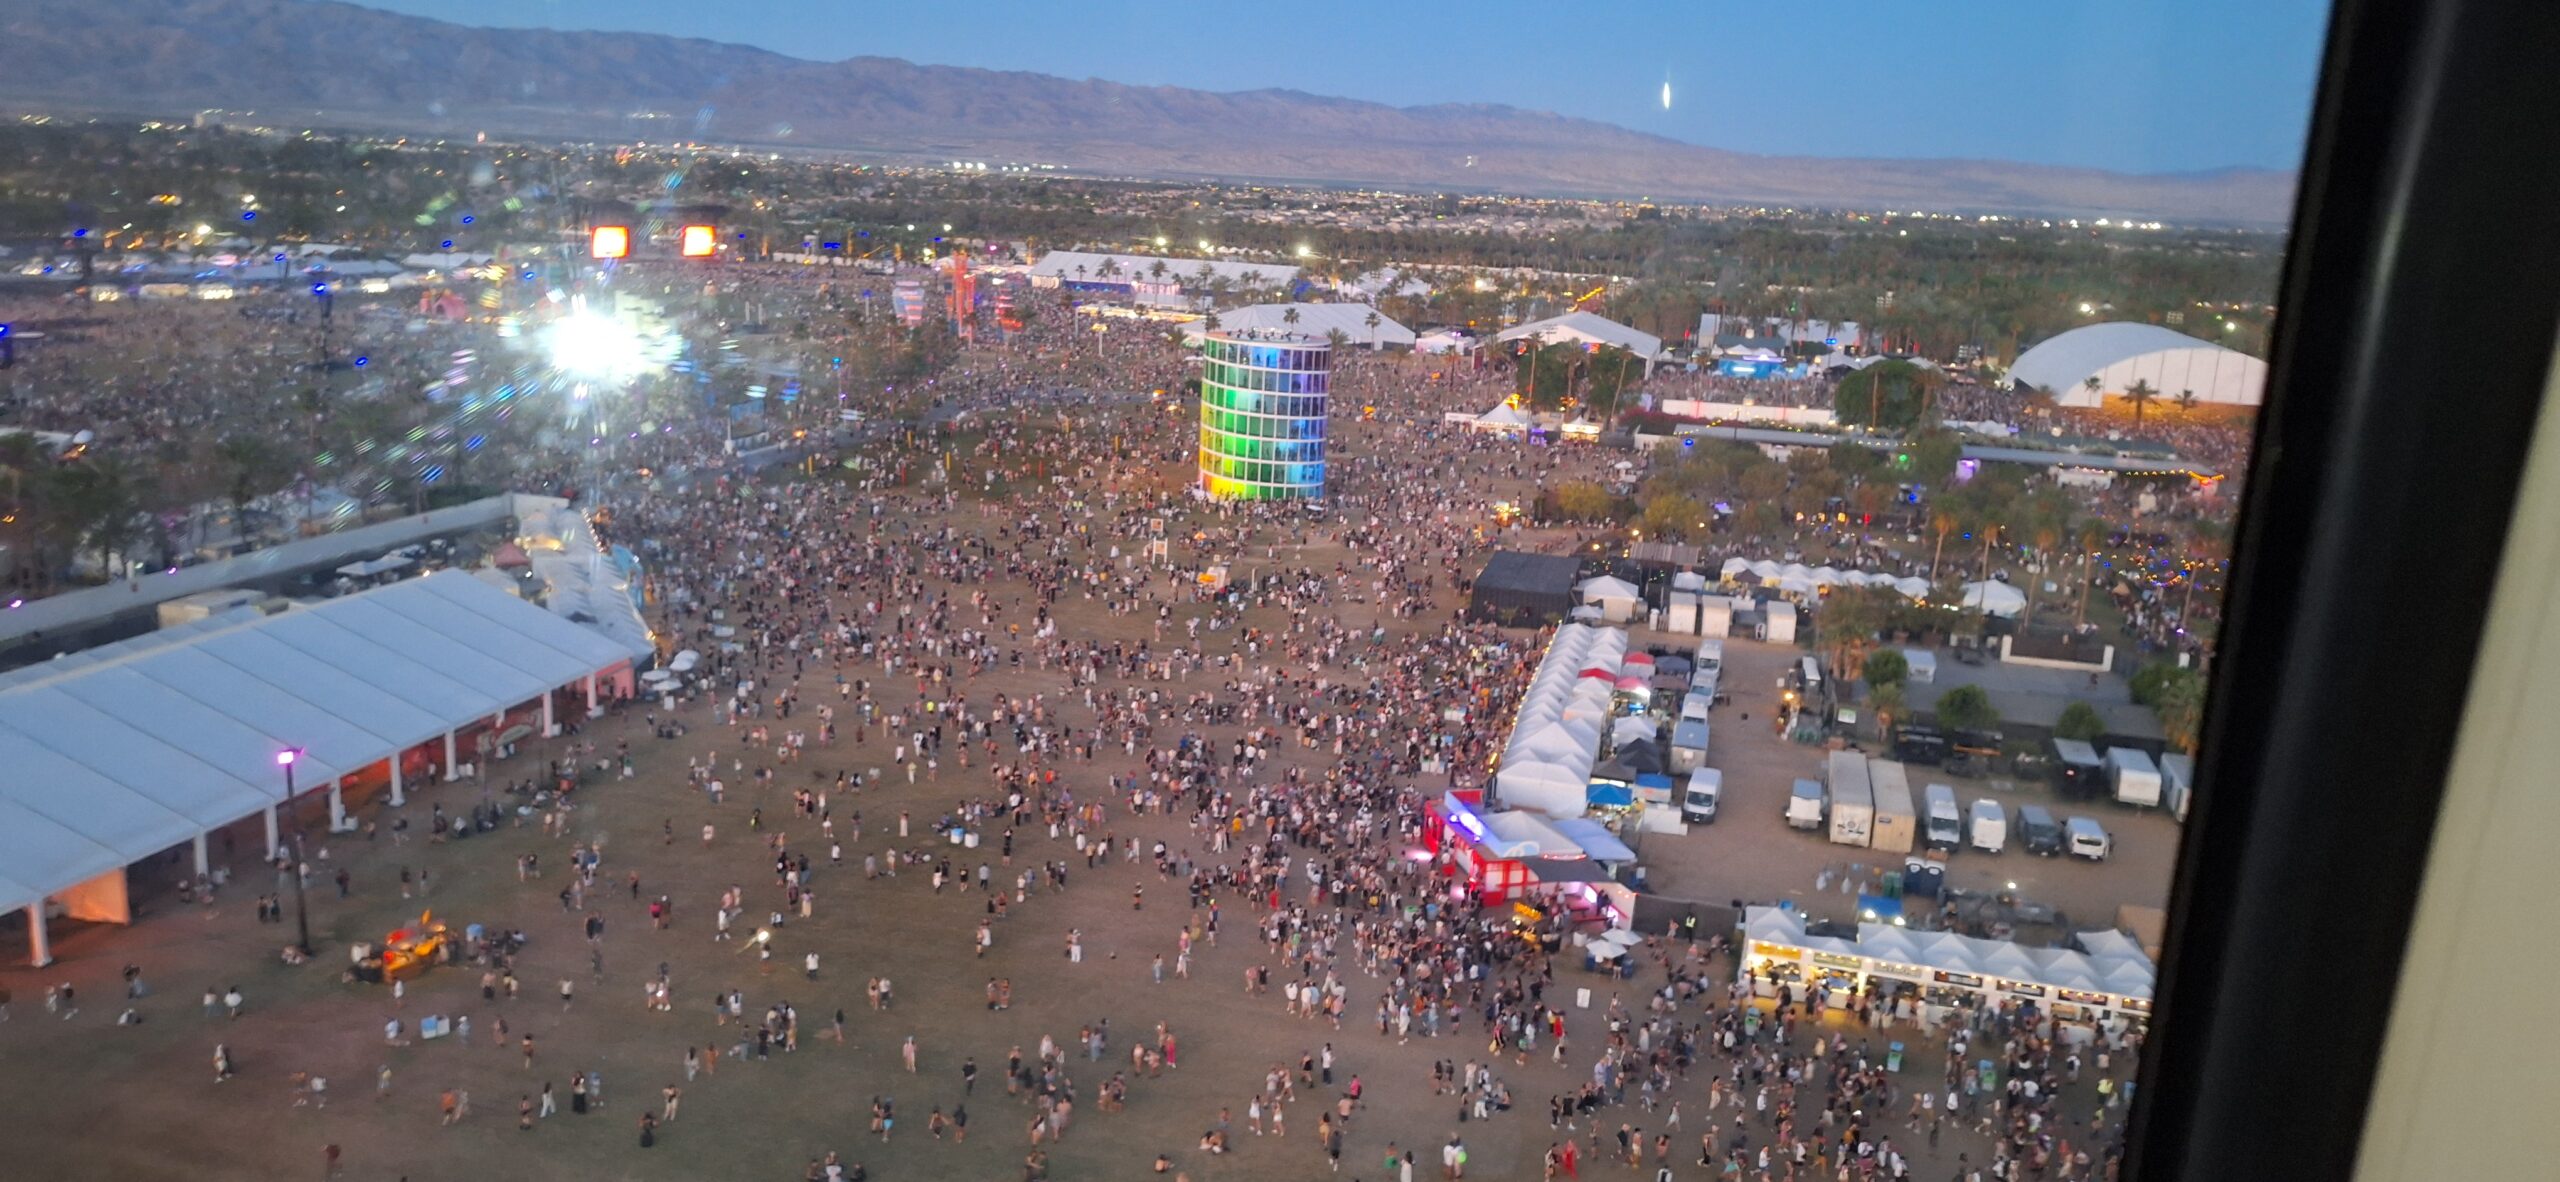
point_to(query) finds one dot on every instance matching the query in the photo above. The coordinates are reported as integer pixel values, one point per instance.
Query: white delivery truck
(1710, 655)
(1853, 800)
(1804, 805)
(1688, 745)
(1706, 791)
(1990, 826)
(2088, 839)
(1897, 825)
(2137, 779)
(1941, 822)
(2177, 782)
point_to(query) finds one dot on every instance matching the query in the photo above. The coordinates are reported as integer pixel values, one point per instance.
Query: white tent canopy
(1588, 328)
(1993, 597)
(141, 753)
(1315, 320)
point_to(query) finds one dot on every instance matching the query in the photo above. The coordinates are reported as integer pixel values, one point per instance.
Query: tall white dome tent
(2119, 354)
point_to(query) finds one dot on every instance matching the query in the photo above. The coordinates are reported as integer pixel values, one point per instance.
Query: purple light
(286, 757)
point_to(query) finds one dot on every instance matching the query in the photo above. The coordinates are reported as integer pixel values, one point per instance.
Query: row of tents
(1989, 596)
(1555, 740)
(2113, 963)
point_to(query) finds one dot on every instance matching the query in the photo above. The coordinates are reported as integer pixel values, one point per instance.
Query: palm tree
(2095, 388)
(2092, 534)
(2186, 401)
(2140, 394)
(1945, 522)
(1156, 270)
(1290, 317)
(1372, 321)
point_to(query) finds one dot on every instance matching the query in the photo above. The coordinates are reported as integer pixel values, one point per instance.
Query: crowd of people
(1247, 718)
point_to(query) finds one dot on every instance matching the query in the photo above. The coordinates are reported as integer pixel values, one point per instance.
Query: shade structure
(1992, 597)
(114, 761)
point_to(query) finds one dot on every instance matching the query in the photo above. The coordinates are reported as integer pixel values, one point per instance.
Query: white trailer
(2177, 782)
(1897, 824)
(1782, 621)
(1715, 615)
(1853, 799)
(2137, 779)
(1680, 613)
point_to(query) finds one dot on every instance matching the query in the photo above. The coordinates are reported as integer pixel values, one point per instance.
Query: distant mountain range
(333, 64)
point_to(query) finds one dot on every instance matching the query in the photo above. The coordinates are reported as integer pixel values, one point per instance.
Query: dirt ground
(83, 1098)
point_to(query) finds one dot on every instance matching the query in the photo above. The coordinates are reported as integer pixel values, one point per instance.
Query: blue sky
(2134, 85)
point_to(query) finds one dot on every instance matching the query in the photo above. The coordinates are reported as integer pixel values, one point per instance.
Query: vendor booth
(1934, 977)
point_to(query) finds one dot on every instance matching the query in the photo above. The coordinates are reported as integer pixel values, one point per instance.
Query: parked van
(1693, 706)
(1990, 826)
(1809, 671)
(1804, 805)
(2088, 839)
(1706, 791)
(2038, 831)
(1942, 823)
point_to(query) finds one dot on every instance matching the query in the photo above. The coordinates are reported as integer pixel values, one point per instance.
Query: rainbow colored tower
(1262, 415)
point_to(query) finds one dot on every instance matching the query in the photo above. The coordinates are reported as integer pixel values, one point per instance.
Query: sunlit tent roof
(125, 757)
(2120, 354)
(1588, 328)
(1315, 320)
(1140, 268)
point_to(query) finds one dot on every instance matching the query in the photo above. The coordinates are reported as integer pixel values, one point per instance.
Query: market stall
(1932, 977)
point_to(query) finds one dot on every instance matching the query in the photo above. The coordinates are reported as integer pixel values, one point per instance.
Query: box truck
(1804, 805)
(1941, 822)
(2080, 773)
(1896, 828)
(1688, 744)
(2137, 779)
(1990, 826)
(1853, 800)
(1706, 791)
(1781, 625)
(1680, 613)
(2177, 782)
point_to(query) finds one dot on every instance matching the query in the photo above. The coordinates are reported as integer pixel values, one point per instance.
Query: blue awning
(1611, 796)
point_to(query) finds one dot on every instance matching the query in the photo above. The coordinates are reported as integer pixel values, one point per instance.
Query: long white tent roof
(110, 761)
(1351, 320)
(1588, 327)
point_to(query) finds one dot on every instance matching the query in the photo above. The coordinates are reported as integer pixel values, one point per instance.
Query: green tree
(1934, 456)
(2141, 394)
(1888, 396)
(1583, 500)
(1855, 461)
(2079, 721)
(2181, 711)
(1673, 516)
(1886, 667)
(1847, 624)
(1967, 708)
(1889, 701)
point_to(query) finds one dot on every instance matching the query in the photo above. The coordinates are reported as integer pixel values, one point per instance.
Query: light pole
(301, 915)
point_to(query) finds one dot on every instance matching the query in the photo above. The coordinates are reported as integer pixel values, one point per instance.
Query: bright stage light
(609, 242)
(590, 344)
(697, 242)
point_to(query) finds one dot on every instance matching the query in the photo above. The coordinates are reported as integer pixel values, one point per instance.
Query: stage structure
(1262, 415)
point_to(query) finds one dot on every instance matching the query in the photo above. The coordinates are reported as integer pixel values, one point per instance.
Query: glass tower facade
(1262, 415)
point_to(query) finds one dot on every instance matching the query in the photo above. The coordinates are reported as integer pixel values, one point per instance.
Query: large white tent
(1616, 598)
(1993, 597)
(2120, 354)
(1588, 328)
(1315, 320)
(122, 758)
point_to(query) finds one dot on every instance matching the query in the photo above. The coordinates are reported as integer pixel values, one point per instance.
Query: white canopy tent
(1992, 597)
(127, 758)
(1616, 598)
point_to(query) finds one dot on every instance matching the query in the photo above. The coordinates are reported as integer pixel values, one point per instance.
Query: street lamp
(301, 913)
